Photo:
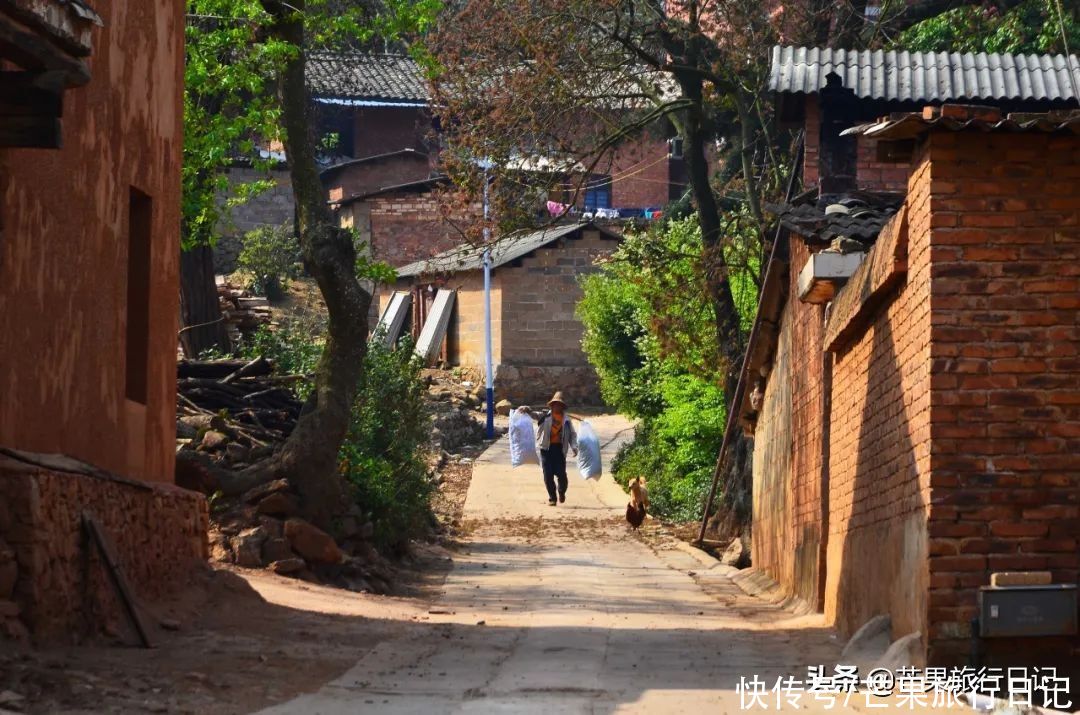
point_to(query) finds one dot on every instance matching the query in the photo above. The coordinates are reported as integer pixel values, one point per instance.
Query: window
(140, 215)
(598, 194)
(675, 149)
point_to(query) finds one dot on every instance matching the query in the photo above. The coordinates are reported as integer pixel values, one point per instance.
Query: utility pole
(489, 371)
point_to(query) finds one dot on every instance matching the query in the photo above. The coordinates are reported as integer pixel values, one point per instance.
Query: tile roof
(927, 76)
(509, 248)
(912, 124)
(867, 214)
(360, 78)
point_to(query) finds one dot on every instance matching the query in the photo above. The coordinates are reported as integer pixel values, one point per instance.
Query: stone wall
(273, 207)
(52, 585)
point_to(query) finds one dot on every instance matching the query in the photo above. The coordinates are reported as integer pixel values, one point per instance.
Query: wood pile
(243, 312)
(236, 410)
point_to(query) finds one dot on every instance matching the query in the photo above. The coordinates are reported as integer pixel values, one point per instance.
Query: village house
(535, 289)
(90, 156)
(915, 362)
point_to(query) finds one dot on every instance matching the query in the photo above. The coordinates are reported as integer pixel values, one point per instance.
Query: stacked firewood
(243, 312)
(236, 410)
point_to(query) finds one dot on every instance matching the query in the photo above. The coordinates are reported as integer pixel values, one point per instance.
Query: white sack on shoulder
(522, 440)
(588, 456)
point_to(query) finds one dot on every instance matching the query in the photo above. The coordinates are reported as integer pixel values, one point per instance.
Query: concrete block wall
(1005, 296)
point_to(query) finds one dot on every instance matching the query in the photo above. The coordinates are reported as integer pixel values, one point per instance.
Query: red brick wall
(64, 254)
(380, 130)
(879, 451)
(403, 227)
(641, 174)
(872, 175)
(1005, 295)
(368, 176)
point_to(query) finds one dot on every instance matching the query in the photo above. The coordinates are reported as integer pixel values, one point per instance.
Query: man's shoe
(562, 498)
(551, 502)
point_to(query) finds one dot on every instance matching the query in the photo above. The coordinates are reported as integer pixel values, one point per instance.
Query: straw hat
(557, 398)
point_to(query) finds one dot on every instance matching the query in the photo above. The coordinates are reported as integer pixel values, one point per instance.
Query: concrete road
(563, 610)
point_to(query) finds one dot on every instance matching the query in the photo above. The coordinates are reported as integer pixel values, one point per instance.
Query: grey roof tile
(926, 76)
(361, 76)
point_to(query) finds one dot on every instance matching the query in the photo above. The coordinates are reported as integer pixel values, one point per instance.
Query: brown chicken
(639, 503)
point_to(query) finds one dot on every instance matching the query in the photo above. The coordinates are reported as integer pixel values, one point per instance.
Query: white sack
(588, 456)
(522, 440)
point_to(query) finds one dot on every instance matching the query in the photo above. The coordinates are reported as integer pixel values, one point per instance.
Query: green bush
(649, 332)
(384, 454)
(383, 457)
(270, 255)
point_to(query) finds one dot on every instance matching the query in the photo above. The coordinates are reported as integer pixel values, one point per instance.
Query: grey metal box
(1027, 610)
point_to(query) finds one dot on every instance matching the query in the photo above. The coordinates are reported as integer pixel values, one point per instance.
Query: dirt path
(560, 609)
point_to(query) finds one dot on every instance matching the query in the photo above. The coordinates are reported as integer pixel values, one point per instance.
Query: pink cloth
(556, 209)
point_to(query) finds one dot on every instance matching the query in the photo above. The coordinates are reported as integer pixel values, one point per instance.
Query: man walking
(555, 437)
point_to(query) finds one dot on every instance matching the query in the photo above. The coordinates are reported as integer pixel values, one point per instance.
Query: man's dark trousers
(554, 463)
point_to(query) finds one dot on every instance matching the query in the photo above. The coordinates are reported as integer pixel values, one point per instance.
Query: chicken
(639, 502)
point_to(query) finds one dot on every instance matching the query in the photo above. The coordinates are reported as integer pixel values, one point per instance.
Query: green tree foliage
(230, 109)
(1034, 26)
(648, 333)
(269, 257)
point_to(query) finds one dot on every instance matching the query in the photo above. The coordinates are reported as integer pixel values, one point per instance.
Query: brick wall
(380, 130)
(403, 227)
(872, 175)
(361, 177)
(1005, 294)
(879, 449)
(642, 174)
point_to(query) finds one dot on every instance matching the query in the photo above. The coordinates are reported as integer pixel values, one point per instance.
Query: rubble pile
(262, 530)
(457, 410)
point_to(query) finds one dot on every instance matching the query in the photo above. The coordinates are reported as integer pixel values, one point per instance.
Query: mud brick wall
(772, 542)
(65, 250)
(872, 174)
(879, 451)
(403, 227)
(789, 450)
(1005, 351)
(60, 590)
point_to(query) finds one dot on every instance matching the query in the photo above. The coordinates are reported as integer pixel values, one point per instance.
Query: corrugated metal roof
(907, 126)
(503, 251)
(395, 79)
(926, 76)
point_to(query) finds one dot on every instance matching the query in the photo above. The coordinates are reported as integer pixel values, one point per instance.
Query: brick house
(914, 359)
(536, 336)
(89, 247)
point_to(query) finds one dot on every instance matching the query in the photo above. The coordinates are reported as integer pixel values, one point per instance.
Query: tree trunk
(309, 457)
(202, 325)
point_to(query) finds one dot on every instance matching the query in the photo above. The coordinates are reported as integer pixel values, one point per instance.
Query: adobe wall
(879, 452)
(64, 254)
(789, 449)
(56, 587)
(380, 130)
(1005, 295)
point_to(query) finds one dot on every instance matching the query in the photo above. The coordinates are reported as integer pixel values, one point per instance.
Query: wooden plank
(97, 536)
(37, 94)
(393, 317)
(434, 330)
